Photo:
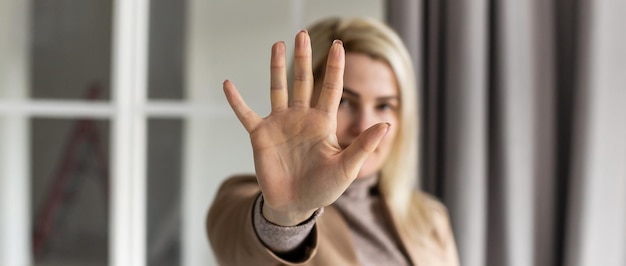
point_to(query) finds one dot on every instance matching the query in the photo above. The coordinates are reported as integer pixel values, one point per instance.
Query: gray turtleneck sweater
(362, 207)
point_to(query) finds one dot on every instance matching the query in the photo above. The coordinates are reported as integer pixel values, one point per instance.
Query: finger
(248, 118)
(278, 78)
(332, 87)
(355, 155)
(303, 75)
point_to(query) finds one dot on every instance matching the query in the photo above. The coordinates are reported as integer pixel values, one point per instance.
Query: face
(370, 96)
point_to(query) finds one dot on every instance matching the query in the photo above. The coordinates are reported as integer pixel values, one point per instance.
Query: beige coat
(234, 240)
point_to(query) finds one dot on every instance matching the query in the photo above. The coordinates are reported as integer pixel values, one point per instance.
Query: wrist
(285, 218)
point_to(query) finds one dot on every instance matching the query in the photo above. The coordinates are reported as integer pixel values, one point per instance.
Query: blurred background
(93, 91)
(115, 135)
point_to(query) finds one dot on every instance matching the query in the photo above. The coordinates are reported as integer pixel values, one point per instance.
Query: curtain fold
(464, 133)
(598, 235)
(524, 125)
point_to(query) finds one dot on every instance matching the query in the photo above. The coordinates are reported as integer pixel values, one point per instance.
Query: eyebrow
(358, 96)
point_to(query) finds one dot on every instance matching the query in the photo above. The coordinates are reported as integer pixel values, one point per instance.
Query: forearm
(231, 231)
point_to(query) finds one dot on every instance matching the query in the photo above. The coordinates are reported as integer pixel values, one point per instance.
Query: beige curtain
(524, 125)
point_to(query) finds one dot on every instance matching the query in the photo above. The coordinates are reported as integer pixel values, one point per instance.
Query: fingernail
(278, 48)
(338, 42)
(304, 30)
(304, 40)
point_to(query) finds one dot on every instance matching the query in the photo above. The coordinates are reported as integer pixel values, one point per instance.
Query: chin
(360, 176)
(368, 170)
(373, 164)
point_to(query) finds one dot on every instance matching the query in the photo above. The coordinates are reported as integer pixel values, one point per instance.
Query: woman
(335, 160)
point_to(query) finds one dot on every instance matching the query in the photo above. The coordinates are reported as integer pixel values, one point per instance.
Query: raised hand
(299, 164)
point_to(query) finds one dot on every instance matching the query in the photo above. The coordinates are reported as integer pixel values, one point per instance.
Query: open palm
(299, 164)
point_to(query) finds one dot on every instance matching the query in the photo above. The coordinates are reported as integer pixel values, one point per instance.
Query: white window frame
(129, 73)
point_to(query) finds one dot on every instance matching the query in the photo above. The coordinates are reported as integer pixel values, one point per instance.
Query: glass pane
(164, 191)
(166, 49)
(14, 48)
(70, 191)
(71, 49)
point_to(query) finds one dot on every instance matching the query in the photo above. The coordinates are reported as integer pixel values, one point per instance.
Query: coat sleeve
(231, 231)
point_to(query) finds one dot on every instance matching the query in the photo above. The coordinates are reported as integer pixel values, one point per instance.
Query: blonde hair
(399, 174)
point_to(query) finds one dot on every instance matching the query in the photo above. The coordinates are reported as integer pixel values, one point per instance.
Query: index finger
(332, 87)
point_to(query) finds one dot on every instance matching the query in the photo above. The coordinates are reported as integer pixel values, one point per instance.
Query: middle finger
(303, 76)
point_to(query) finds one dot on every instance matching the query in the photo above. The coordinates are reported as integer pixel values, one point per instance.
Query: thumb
(355, 155)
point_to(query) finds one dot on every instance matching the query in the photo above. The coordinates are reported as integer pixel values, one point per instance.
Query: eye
(346, 103)
(343, 101)
(385, 107)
